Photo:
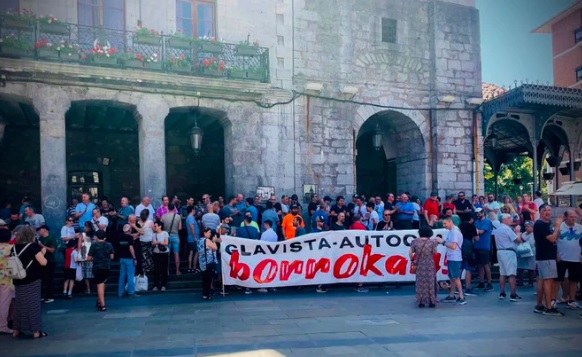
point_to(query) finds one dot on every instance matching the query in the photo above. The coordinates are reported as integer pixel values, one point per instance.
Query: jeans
(126, 274)
(48, 280)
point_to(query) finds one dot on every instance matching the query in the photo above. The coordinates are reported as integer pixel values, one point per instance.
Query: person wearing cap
(482, 248)
(431, 206)
(127, 263)
(287, 225)
(320, 212)
(319, 224)
(49, 243)
(101, 254)
(269, 234)
(528, 263)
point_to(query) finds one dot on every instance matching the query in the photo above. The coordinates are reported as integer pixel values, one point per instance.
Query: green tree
(514, 178)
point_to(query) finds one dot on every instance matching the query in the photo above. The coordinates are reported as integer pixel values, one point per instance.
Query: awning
(570, 188)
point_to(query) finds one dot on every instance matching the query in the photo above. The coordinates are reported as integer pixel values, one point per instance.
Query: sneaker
(481, 286)
(48, 301)
(155, 288)
(489, 287)
(248, 292)
(197, 271)
(263, 290)
(469, 292)
(515, 298)
(502, 296)
(361, 289)
(321, 289)
(552, 312)
(449, 299)
(554, 304)
(574, 305)
(102, 308)
(163, 288)
(461, 301)
(539, 309)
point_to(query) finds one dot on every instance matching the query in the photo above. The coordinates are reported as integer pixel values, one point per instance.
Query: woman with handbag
(526, 260)
(161, 254)
(421, 254)
(207, 260)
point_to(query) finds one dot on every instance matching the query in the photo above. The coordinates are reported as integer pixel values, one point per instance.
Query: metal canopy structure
(542, 121)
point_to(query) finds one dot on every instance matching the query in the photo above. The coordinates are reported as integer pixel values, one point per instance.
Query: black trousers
(161, 269)
(206, 282)
(48, 280)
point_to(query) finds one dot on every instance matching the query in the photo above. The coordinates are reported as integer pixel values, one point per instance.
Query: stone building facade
(403, 70)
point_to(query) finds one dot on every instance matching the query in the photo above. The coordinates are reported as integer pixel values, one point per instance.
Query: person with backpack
(24, 266)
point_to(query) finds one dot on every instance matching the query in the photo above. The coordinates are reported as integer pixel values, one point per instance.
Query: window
(579, 74)
(578, 35)
(6, 5)
(388, 30)
(196, 17)
(85, 182)
(108, 14)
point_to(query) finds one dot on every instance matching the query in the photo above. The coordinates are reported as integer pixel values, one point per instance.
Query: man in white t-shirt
(269, 234)
(454, 243)
(99, 222)
(492, 206)
(34, 219)
(569, 252)
(145, 203)
(539, 202)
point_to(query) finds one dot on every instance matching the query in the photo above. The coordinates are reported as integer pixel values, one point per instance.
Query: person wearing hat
(319, 224)
(529, 263)
(49, 243)
(127, 263)
(287, 225)
(320, 212)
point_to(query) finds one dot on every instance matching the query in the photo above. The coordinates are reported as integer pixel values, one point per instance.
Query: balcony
(137, 50)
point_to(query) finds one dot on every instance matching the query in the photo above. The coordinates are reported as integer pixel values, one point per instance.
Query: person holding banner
(421, 254)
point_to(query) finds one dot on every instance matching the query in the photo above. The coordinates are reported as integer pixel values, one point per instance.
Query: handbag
(160, 248)
(524, 250)
(414, 262)
(141, 283)
(79, 273)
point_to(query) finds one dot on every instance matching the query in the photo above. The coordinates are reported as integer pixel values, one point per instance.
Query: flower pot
(16, 52)
(153, 65)
(104, 61)
(55, 28)
(177, 42)
(15, 24)
(211, 47)
(69, 56)
(47, 53)
(152, 40)
(256, 76)
(133, 63)
(238, 74)
(243, 50)
(210, 72)
(182, 69)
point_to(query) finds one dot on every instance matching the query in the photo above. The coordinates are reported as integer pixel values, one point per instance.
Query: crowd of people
(516, 234)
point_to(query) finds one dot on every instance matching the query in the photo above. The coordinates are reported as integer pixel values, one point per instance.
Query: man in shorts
(569, 256)
(482, 248)
(454, 242)
(506, 239)
(546, 235)
(101, 253)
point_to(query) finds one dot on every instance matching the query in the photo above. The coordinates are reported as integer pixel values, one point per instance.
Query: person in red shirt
(449, 203)
(357, 224)
(431, 206)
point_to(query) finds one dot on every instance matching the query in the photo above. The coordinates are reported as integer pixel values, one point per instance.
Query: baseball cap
(479, 209)
(320, 219)
(294, 197)
(294, 206)
(43, 226)
(2, 222)
(529, 223)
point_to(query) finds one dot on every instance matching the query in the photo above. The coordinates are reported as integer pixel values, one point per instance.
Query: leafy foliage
(520, 168)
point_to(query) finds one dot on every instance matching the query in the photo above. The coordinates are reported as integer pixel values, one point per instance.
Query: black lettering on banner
(408, 239)
(377, 237)
(346, 243)
(393, 240)
(243, 251)
(295, 247)
(310, 241)
(323, 244)
(259, 250)
(230, 248)
(274, 249)
(359, 241)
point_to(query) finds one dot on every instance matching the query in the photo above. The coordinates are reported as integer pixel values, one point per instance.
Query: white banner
(324, 258)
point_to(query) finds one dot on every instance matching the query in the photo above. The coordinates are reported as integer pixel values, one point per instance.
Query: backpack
(14, 268)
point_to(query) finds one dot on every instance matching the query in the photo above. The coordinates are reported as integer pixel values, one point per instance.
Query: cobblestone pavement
(300, 323)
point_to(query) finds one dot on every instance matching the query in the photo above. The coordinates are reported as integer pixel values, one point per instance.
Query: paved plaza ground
(300, 323)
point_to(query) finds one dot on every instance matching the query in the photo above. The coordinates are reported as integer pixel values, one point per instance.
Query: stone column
(152, 148)
(51, 106)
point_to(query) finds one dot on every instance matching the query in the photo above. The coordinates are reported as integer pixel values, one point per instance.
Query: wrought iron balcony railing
(97, 46)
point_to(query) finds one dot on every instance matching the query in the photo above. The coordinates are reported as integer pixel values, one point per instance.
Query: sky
(509, 51)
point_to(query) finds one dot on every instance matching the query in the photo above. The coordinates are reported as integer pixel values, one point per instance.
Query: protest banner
(324, 258)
